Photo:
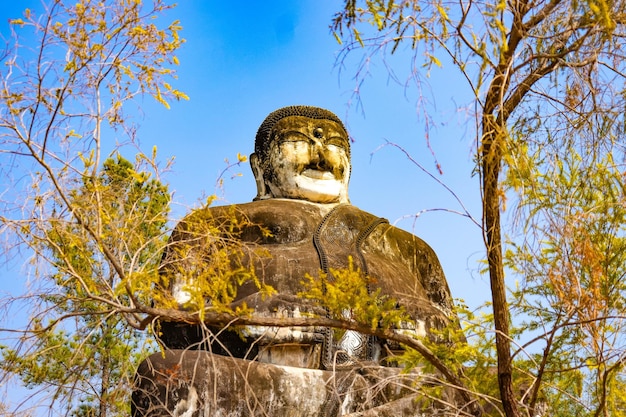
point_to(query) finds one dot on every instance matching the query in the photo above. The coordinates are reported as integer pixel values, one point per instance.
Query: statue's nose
(318, 155)
(317, 148)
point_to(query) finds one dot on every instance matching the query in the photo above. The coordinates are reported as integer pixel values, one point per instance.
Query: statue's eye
(338, 142)
(293, 137)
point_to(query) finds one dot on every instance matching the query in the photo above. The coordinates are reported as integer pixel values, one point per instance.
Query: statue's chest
(298, 243)
(282, 248)
(280, 227)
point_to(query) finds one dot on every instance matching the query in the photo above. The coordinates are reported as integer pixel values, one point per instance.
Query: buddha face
(308, 159)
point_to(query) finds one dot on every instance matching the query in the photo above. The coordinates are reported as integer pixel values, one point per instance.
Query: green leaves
(572, 272)
(82, 347)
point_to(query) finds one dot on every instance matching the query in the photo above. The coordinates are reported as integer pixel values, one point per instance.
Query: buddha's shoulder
(381, 233)
(287, 214)
(262, 211)
(283, 220)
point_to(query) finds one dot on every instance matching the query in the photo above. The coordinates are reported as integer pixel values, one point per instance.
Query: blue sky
(242, 60)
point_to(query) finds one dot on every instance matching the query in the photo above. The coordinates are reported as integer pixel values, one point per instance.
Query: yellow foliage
(209, 262)
(347, 295)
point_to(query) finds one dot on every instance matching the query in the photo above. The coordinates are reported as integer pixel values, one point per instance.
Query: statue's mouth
(318, 175)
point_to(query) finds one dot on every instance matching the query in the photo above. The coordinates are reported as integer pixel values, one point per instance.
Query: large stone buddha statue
(304, 225)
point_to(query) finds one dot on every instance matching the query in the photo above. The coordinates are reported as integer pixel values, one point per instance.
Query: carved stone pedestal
(200, 384)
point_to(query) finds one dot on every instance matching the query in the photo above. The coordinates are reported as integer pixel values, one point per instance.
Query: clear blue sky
(243, 60)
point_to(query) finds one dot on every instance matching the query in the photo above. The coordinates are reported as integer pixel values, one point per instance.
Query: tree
(543, 75)
(91, 359)
(572, 261)
(93, 227)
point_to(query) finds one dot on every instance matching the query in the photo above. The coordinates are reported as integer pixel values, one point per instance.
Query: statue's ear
(257, 170)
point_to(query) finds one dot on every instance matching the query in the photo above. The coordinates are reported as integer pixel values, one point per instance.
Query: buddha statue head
(303, 153)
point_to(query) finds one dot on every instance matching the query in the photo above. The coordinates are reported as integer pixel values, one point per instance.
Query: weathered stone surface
(404, 266)
(200, 384)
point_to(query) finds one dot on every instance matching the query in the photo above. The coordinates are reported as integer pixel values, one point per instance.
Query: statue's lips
(318, 175)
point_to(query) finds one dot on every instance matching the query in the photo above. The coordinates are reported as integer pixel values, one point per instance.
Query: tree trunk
(491, 164)
(105, 383)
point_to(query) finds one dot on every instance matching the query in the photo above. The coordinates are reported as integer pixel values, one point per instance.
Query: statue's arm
(434, 279)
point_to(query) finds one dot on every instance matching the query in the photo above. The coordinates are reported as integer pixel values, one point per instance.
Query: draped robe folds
(286, 239)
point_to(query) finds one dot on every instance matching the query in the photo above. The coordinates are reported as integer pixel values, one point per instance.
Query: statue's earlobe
(257, 170)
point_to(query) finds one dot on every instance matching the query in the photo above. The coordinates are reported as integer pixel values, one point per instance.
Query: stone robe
(304, 239)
